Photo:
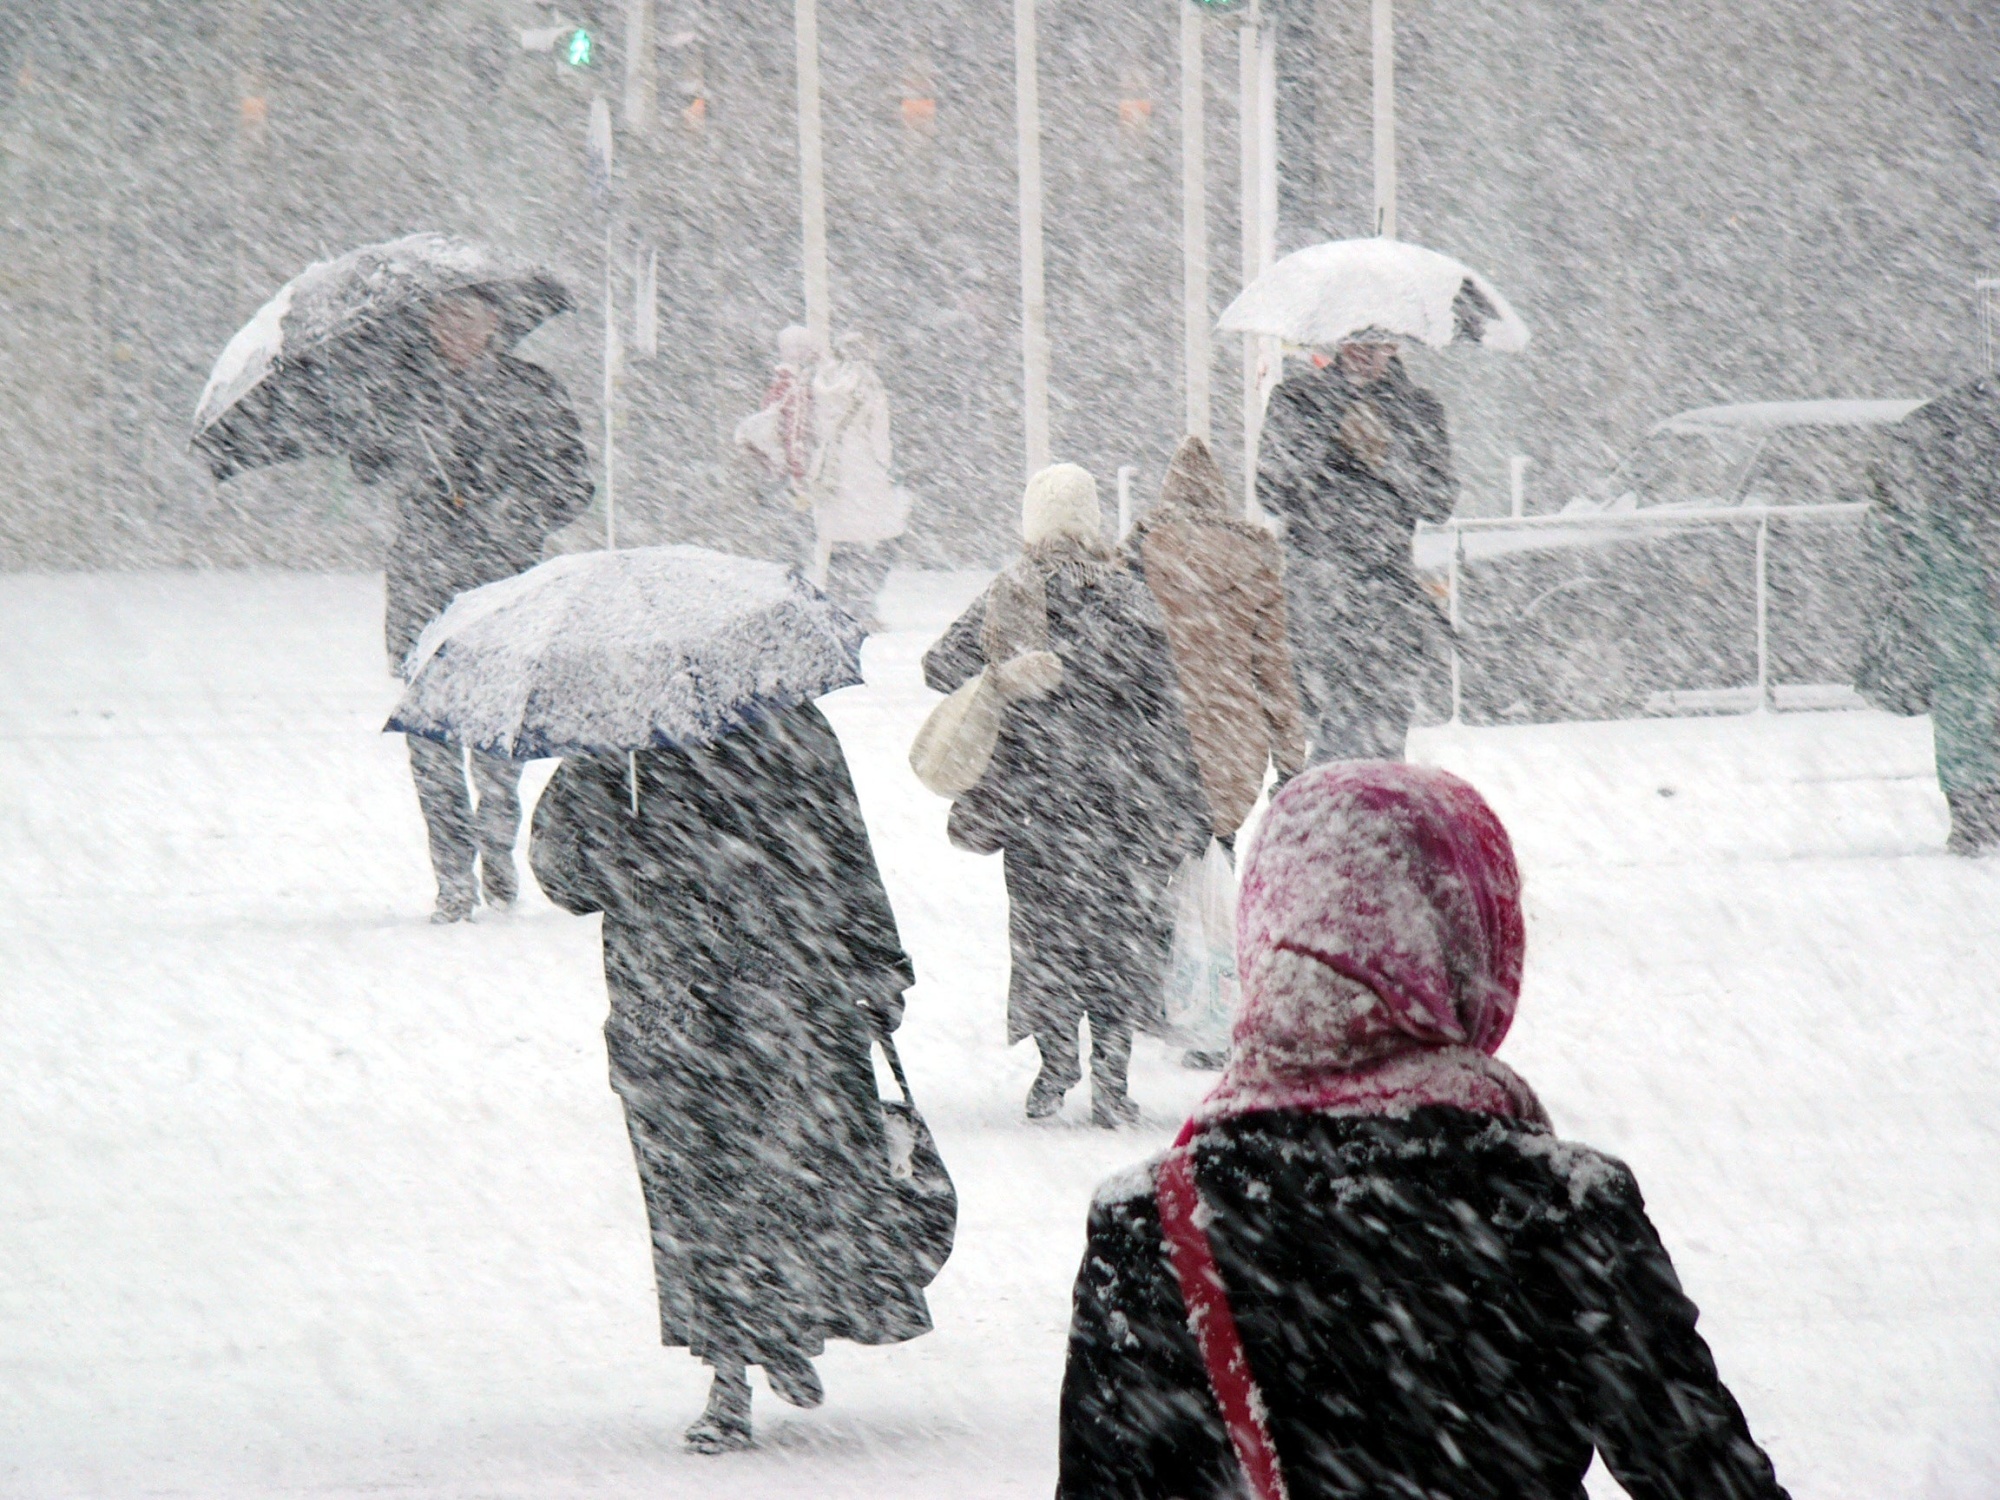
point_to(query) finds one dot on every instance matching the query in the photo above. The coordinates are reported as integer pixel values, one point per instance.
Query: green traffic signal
(580, 48)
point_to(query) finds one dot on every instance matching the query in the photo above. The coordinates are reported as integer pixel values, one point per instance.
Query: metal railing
(1639, 521)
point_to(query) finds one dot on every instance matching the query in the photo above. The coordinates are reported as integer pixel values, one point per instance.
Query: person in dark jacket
(488, 459)
(1352, 457)
(1426, 1292)
(1935, 641)
(749, 949)
(1093, 792)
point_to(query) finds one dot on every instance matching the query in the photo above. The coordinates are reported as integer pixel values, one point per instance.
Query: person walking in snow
(487, 455)
(1219, 580)
(1092, 795)
(1935, 539)
(1368, 1267)
(780, 432)
(857, 509)
(749, 948)
(1353, 456)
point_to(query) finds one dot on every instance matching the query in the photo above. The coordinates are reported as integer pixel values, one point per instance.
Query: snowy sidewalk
(303, 1196)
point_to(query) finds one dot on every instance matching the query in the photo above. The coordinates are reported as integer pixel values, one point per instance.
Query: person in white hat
(1093, 792)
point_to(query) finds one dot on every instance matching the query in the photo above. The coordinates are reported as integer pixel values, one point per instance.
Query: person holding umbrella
(1353, 455)
(488, 458)
(704, 807)
(396, 355)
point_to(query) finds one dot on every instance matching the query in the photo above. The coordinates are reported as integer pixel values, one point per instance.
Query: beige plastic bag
(955, 746)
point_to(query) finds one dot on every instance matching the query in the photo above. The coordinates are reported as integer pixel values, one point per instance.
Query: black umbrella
(305, 375)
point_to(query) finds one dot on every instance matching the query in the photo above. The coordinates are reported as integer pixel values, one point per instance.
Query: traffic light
(579, 48)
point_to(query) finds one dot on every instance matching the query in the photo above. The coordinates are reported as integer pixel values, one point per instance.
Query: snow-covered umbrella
(1326, 293)
(602, 652)
(302, 377)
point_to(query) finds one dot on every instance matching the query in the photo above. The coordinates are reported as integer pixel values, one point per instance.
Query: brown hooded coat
(1219, 581)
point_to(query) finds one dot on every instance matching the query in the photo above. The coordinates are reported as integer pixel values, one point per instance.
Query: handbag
(924, 1191)
(1213, 1323)
(955, 746)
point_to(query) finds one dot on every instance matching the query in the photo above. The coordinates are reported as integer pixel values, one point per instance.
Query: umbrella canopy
(302, 376)
(602, 652)
(1325, 293)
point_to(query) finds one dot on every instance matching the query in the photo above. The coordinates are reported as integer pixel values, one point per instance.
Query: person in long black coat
(1431, 1295)
(1352, 456)
(749, 948)
(487, 459)
(1093, 793)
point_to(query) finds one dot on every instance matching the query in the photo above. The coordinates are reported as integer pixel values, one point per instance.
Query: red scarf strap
(1212, 1322)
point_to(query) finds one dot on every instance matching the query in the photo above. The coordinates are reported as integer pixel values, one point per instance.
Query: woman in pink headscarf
(1368, 1268)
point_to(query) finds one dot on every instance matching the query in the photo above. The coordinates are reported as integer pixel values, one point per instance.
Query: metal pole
(1385, 118)
(639, 64)
(610, 397)
(1451, 595)
(1034, 301)
(1517, 483)
(1194, 224)
(1250, 137)
(1125, 473)
(1763, 617)
(812, 176)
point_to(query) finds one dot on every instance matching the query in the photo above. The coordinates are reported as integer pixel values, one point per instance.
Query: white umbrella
(1325, 293)
(603, 652)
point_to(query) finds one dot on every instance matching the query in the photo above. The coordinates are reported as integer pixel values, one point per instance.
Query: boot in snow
(497, 880)
(725, 1426)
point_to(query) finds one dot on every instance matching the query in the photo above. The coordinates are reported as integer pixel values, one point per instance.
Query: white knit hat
(1061, 500)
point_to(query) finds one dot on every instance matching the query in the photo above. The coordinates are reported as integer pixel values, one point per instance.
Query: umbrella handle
(632, 778)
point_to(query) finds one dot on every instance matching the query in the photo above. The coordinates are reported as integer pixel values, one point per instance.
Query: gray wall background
(1690, 202)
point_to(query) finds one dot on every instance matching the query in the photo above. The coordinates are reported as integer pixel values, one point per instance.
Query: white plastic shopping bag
(1200, 1000)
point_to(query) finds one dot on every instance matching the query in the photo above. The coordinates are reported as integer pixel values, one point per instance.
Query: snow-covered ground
(300, 1195)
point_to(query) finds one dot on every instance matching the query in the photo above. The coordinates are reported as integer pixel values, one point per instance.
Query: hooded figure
(1352, 457)
(1220, 583)
(857, 508)
(748, 949)
(1092, 792)
(1426, 1291)
(781, 430)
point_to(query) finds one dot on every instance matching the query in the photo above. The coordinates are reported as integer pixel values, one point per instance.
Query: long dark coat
(745, 929)
(1436, 1305)
(1094, 796)
(487, 463)
(1361, 628)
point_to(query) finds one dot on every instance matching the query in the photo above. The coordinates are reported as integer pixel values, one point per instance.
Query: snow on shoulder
(1584, 1168)
(1129, 1183)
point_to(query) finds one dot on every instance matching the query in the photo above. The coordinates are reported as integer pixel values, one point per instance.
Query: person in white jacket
(858, 509)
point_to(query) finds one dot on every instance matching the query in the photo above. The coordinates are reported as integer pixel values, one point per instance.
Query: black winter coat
(747, 938)
(1338, 508)
(1437, 1307)
(488, 462)
(1095, 796)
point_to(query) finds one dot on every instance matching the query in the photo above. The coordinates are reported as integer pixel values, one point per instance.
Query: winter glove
(1031, 675)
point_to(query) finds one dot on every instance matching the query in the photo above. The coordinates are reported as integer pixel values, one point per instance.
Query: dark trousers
(1110, 1056)
(460, 831)
(855, 575)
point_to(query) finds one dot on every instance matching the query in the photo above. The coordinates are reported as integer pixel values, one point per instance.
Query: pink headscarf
(1379, 941)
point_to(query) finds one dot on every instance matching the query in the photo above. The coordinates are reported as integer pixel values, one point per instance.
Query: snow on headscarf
(1379, 941)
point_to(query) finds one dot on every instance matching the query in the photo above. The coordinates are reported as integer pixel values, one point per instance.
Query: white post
(1763, 615)
(1385, 118)
(1517, 483)
(1452, 591)
(1194, 224)
(639, 64)
(1125, 473)
(812, 177)
(1250, 139)
(1034, 301)
(610, 396)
